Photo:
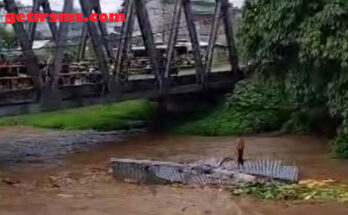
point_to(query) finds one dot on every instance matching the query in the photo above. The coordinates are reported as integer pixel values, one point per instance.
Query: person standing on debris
(240, 145)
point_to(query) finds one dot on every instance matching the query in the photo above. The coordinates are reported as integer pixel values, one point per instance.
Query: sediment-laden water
(74, 174)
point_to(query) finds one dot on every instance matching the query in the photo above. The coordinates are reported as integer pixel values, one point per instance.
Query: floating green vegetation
(98, 117)
(330, 192)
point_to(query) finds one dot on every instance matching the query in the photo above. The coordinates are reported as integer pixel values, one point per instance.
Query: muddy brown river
(48, 172)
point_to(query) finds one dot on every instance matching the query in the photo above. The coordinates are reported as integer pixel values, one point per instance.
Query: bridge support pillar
(149, 41)
(52, 25)
(200, 76)
(61, 42)
(32, 25)
(50, 94)
(212, 38)
(233, 53)
(100, 50)
(125, 43)
(81, 54)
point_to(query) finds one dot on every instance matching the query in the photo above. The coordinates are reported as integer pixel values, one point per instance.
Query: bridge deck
(139, 86)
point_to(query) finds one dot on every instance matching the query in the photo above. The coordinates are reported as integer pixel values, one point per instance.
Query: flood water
(79, 181)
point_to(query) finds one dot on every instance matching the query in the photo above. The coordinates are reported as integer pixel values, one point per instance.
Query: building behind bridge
(161, 15)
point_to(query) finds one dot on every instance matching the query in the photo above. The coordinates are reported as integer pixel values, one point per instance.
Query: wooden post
(32, 25)
(126, 34)
(194, 41)
(212, 38)
(96, 41)
(61, 43)
(52, 25)
(233, 53)
(32, 62)
(172, 38)
(83, 42)
(149, 41)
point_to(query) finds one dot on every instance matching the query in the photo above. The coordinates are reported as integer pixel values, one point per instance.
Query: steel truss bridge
(113, 81)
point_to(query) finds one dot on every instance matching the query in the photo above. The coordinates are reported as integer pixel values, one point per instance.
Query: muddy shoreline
(33, 148)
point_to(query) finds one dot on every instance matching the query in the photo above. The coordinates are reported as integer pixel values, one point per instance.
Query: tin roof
(203, 7)
(200, 7)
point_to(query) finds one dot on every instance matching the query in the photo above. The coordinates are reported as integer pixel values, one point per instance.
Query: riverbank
(115, 116)
(37, 148)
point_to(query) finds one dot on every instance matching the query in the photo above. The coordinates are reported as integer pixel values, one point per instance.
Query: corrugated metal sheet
(212, 171)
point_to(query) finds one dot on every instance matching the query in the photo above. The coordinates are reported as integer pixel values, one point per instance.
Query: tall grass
(99, 117)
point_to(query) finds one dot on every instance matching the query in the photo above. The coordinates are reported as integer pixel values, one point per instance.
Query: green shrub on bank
(230, 121)
(256, 105)
(258, 93)
(298, 123)
(99, 117)
(340, 145)
(338, 105)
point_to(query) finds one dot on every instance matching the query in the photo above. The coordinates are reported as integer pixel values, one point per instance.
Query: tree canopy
(8, 38)
(305, 42)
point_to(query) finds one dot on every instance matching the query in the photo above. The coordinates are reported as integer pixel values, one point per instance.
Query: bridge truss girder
(222, 11)
(97, 34)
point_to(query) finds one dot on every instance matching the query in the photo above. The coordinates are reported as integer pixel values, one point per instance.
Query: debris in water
(317, 183)
(65, 195)
(53, 182)
(207, 172)
(10, 181)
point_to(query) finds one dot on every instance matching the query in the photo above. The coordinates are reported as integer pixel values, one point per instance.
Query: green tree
(8, 38)
(306, 43)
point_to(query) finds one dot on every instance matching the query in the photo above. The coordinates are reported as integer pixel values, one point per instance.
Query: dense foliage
(8, 38)
(306, 43)
(256, 105)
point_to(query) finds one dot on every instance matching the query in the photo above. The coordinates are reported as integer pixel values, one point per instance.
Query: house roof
(200, 7)
(38, 44)
(203, 7)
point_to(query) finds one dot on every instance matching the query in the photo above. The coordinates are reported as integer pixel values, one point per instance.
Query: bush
(258, 93)
(340, 146)
(299, 123)
(230, 121)
(256, 105)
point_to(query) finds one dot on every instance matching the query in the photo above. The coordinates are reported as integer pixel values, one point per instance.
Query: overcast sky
(107, 5)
